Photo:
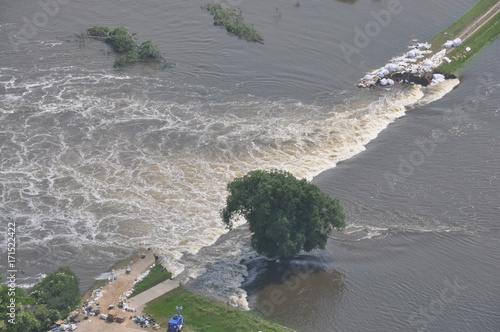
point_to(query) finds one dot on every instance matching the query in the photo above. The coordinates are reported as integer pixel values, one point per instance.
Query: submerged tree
(285, 214)
(121, 41)
(125, 44)
(232, 20)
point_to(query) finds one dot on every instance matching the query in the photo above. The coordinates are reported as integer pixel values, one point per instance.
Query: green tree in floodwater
(125, 44)
(121, 41)
(232, 20)
(285, 214)
(148, 50)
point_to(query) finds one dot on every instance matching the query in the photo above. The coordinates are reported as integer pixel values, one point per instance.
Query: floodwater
(421, 252)
(96, 162)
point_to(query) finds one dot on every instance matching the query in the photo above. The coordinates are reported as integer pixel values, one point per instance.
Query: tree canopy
(59, 290)
(48, 301)
(285, 214)
(125, 44)
(232, 20)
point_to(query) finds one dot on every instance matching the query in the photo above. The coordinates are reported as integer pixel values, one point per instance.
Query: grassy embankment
(156, 275)
(202, 314)
(477, 41)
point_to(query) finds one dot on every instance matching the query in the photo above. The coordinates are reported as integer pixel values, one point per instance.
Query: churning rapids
(96, 162)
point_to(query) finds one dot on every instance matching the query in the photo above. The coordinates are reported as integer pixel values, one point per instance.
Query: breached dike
(409, 69)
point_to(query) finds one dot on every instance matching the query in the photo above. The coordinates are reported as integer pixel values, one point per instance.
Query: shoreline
(158, 302)
(106, 294)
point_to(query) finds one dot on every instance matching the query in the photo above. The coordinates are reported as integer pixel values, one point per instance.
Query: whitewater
(87, 171)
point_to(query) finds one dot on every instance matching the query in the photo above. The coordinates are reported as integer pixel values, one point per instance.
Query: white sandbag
(437, 78)
(413, 53)
(386, 81)
(448, 44)
(457, 42)
(427, 62)
(467, 49)
(423, 46)
(368, 77)
(392, 67)
(382, 72)
(447, 59)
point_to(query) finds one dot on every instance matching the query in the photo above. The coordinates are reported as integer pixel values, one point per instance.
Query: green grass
(156, 275)
(479, 40)
(202, 315)
(460, 24)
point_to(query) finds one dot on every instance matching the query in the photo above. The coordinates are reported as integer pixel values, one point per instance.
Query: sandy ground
(111, 296)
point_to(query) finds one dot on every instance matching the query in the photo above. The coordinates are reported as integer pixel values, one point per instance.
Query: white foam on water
(94, 162)
(437, 91)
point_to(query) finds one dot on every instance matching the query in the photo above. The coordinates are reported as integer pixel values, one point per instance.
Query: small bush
(149, 51)
(232, 20)
(121, 41)
(129, 57)
(98, 31)
(125, 44)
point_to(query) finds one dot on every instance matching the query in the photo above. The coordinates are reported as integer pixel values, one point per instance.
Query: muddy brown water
(96, 162)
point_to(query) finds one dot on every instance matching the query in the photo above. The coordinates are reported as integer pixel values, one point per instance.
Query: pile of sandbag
(68, 327)
(453, 43)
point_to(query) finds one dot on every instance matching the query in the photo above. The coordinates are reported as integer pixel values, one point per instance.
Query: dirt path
(479, 23)
(139, 301)
(111, 295)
